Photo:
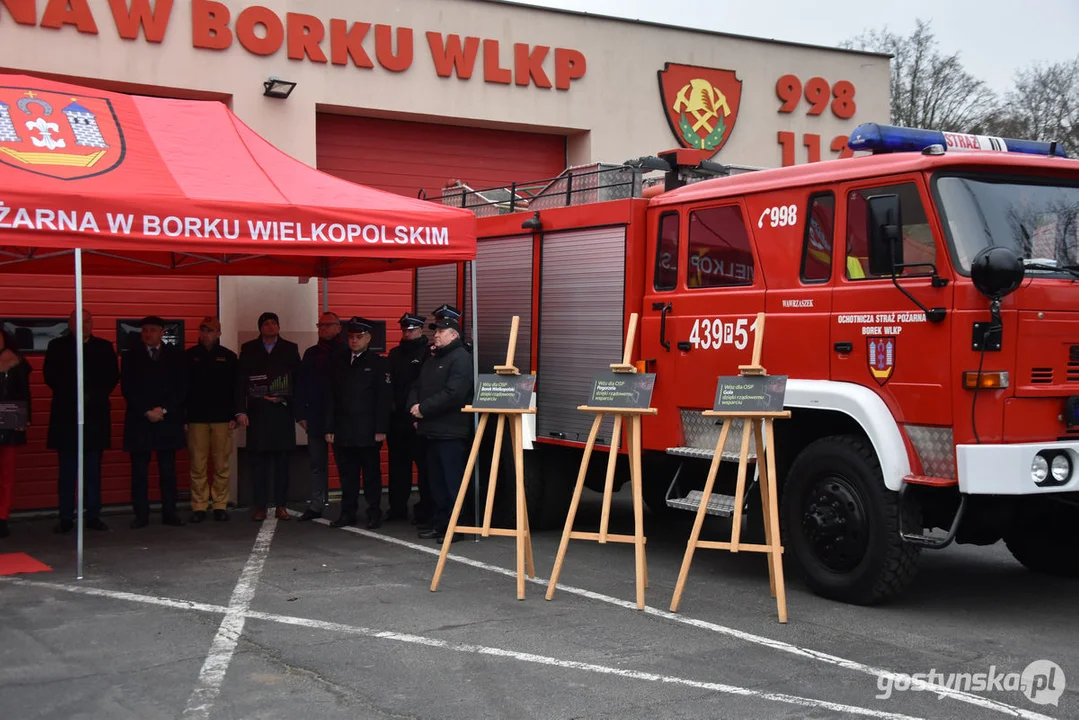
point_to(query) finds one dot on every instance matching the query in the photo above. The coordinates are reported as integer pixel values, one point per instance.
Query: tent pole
(325, 295)
(79, 380)
(475, 380)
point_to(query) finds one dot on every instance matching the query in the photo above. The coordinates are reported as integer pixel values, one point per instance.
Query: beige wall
(615, 105)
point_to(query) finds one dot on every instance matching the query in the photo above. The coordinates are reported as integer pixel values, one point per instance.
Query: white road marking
(338, 628)
(224, 644)
(942, 690)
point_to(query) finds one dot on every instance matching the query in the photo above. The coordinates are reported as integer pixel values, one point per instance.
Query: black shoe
(428, 534)
(139, 523)
(374, 523)
(96, 524)
(198, 516)
(345, 519)
(220, 515)
(64, 526)
(4, 532)
(309, 515)
(441, 538)
(173, 520)
(425, 526)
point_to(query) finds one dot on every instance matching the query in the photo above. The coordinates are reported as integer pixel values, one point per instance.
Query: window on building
(666, 275)
(719, 250)
(817, 244)
(918, 243)
(33, 335)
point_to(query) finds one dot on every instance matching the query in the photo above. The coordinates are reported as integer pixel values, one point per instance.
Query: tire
(1045, 539)
(848, 546)
(548, 488)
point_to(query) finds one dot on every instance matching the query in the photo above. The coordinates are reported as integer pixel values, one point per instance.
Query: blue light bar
(889, 138)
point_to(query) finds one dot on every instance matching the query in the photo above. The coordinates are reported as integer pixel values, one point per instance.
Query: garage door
(407, 157)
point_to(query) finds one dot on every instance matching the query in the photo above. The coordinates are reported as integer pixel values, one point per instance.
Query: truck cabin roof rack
(591, 183)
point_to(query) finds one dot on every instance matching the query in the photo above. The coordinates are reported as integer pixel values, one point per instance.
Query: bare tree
(1043, 105)
(929, 89)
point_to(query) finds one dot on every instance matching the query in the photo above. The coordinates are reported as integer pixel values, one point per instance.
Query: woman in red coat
(14, 388)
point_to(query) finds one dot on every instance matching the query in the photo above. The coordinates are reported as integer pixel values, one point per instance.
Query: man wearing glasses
(443, 388)
(312, 389)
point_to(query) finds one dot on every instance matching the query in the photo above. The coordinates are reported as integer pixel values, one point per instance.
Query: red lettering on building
(449, 56)
(402, 59)
(528, 65)
(210, 25)
(69, 12)
(154, 21)
(493, 72)
(569, 65)
(249, 19)
(23, 12)
(263, 31)
(305, 34)
(346, 42)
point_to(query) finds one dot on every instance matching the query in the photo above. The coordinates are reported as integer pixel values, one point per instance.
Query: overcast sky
(993, 37)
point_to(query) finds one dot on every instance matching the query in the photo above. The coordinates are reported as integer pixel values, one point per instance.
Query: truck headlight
(1039, 469)
(1061, 467)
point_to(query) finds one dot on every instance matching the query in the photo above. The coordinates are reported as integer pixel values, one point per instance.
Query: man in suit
(311, 408)
(153, 378)
(264, 397)
(358, 402)
(101, 375)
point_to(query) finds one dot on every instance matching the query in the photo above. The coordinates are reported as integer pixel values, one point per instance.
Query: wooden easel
(766, 470)
(521, 532)
(632, 419)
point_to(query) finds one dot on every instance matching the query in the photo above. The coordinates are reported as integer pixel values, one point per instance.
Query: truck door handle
(684, 346)
(664, 309)
(844, 347)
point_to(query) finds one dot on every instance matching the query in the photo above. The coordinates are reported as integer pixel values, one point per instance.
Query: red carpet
(17, 563)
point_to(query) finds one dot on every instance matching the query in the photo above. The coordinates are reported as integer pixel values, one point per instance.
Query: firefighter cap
(357, 324)
(409, 321)
(447, 311)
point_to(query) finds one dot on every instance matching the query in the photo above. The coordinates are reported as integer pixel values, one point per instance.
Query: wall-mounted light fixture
(277, 88)
(533, 223)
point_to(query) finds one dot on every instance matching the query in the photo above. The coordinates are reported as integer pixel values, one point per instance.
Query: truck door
(710, 312)
(880, 338)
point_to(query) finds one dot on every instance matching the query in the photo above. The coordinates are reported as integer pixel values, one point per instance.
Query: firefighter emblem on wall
(57, 135)
(701, 105)
(880, 352)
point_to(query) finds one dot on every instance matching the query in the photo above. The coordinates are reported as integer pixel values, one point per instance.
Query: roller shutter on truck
(504, 289)
(436, 285)
(582, 284)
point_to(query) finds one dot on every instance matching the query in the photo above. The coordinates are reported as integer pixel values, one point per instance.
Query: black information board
(504, 392)
(622, 390)
(750, 393)
(13, 415)
(260, 386)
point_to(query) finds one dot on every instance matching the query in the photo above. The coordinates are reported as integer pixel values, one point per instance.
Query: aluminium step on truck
(921, 300)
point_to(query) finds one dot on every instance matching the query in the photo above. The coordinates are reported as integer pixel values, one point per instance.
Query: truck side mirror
(885, 231)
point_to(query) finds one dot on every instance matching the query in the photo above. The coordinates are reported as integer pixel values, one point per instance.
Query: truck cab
(921, 301)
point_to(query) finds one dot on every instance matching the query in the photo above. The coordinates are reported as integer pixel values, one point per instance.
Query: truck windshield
(1036, 217)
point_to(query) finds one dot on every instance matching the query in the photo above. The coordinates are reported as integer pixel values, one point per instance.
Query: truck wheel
(548, 488)
(1046, 538)
(842, 524)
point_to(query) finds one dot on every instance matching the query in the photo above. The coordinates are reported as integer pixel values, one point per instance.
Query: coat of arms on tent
(58, 135)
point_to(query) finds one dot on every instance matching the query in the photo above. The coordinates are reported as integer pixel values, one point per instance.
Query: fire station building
(407, 97)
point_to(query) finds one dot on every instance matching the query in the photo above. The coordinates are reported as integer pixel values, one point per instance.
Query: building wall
(612, 112)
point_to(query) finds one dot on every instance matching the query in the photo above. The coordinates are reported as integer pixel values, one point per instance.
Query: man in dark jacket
(153, 378)
(101, 375)
(443, 388)
(311, 390)
(210, 418)
(405, 447)
(266, 407)
(358, 402)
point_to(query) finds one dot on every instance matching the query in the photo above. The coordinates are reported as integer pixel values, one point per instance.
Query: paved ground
(286, 620)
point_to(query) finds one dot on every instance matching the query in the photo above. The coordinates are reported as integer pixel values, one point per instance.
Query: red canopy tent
(113, 184)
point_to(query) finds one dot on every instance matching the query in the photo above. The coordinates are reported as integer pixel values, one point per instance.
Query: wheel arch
(825, 407)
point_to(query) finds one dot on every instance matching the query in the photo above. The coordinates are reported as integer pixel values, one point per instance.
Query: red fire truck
(920, 298)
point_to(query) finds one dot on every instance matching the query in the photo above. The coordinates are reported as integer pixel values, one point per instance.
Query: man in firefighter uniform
(405, 447)
(436, 399)
(358, 406)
